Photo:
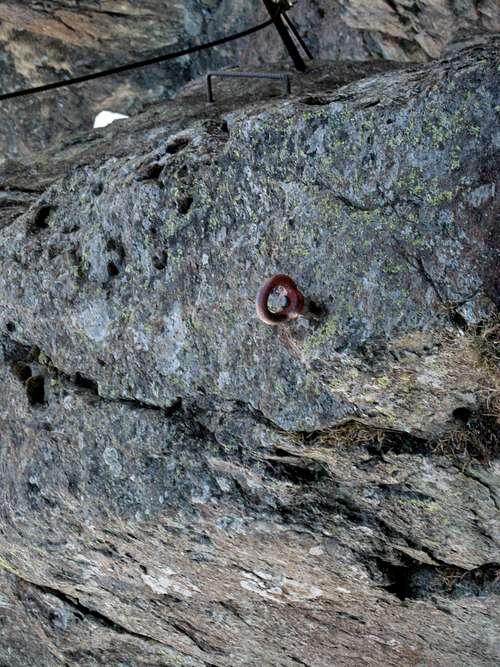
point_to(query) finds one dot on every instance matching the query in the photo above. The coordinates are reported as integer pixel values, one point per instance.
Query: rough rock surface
(182, 485)
(41, 42)
(45, 41)
(419, 29)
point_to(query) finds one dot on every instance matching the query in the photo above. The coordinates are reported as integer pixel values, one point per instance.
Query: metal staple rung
(247, 75)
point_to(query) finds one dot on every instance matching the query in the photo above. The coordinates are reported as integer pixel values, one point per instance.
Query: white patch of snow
(104, 118)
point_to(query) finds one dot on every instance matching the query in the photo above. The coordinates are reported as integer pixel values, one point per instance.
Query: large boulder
(140, 272)
(185, 485)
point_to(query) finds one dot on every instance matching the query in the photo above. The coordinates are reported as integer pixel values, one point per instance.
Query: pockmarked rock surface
(140, 271)
(182, 485)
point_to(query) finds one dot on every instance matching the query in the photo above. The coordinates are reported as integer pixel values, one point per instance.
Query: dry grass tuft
(488, 343)
(354, 433)
(476, 437)
(476, 441)
(351, 433)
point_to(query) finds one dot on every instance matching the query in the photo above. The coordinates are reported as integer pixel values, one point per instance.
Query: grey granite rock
(379, 198)
(183, 485)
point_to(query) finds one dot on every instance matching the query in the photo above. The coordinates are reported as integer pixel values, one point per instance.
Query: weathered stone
(421, 30)
(41, 42)
(369, 199)
(133, 537)
(179, 483)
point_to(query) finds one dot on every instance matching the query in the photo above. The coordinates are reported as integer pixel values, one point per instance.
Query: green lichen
(324, 334)
(431, 506)
(437, 198)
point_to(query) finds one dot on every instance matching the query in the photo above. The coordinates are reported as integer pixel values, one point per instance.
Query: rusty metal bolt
(295, 302)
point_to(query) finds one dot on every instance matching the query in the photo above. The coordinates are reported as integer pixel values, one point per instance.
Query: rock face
(183, 485)
(41, 42)
(422, 29)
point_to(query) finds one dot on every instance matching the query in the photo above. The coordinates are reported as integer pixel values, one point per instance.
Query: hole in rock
(11, 327)
(462, 414)
(316, 309)
(97, 188)
(115, 246)
(177, 145)
(113, 270)
(184, 204)
(401, 579)
(35, 390)
(40, 218)
(21, 371)
(86, 383)
(175, 407)
(160, 261)
(152, 171)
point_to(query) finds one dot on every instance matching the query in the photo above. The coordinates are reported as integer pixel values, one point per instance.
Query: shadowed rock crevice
(77, 608)
(416, 581)
(35, 390)
(20, 357)
(40, 219)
